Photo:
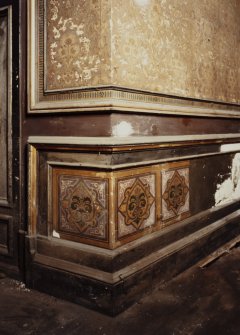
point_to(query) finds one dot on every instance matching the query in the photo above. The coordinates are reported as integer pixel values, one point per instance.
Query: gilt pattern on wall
(175, 193)
(83, 207)
(136, 204)
(177, 47)
(72, 46)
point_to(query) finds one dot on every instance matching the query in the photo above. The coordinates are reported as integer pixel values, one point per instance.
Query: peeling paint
(123, 129)
(229, 189)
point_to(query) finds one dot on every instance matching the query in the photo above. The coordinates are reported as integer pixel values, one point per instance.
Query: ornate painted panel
(81, 207)
(69, 53)
(175, 193)
(5, 107)
(136, 204)
(73, 199)
(73, 50)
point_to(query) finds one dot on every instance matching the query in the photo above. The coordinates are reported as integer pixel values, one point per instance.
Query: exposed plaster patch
(123, 129)
(56, 234)
(229, 190)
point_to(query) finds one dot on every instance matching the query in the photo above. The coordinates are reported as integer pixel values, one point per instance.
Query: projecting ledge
(118, 141)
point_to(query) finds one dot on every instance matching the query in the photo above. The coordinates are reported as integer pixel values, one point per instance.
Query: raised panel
(5, 106)
(6, 228)
(80, 205)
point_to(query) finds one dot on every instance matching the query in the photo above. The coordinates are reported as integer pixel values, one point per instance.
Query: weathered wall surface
(76, 43)
(188, 48)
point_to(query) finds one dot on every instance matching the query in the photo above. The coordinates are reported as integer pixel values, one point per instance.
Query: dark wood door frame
(10, 214)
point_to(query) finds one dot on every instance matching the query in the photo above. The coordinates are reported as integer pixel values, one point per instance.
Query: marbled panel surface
(3, 107)
(187, 48)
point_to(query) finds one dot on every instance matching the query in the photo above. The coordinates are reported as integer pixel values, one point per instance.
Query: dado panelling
(105, 209)
(134, 55)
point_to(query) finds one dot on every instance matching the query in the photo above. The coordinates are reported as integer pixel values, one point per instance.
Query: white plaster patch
(142, 2)
(229, 190)
(123, 129)
(230, 147)
(56, 234)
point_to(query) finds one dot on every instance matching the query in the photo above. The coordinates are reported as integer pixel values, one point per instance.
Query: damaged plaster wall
(229, 189)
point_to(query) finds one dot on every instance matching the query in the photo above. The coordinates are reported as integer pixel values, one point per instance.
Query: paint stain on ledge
(229, 189)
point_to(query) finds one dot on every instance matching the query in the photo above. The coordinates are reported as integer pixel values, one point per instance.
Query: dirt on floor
(200, 301)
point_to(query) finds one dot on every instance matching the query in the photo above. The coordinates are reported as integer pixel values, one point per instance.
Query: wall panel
(5, 106)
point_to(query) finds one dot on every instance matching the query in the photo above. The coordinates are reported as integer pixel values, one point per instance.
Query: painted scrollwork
(73, 58)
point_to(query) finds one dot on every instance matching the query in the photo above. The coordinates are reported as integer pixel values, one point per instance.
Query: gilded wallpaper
(187, 48)
(3, 106)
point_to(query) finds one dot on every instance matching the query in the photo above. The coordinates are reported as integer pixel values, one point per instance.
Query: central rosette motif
(136, 204)
(176, 192)
(83, 208)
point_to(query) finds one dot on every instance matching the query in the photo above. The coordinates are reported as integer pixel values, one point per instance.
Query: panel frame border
(109, 98)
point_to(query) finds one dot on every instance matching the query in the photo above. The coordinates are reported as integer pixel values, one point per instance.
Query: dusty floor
(199, 301)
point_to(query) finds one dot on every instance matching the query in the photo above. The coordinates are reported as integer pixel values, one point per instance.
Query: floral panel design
(175, 193)
(136, 204)
(83, 207)
(72, 49)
